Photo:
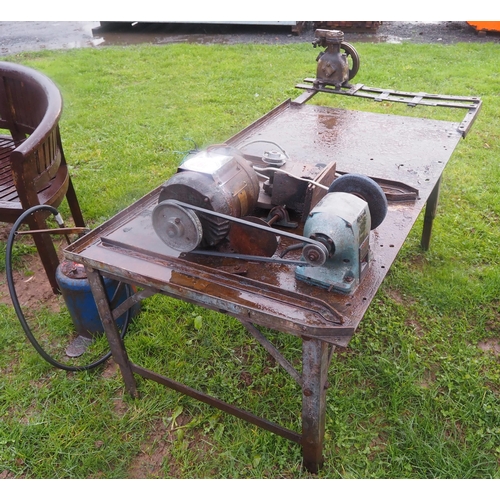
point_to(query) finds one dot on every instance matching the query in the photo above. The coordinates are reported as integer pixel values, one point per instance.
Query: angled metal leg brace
(316, 358)
(255, 332)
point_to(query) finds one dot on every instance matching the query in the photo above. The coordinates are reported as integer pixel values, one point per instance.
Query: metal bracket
(472, 104)
(57, 230)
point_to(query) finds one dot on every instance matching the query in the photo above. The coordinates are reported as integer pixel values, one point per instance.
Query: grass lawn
(416, 393)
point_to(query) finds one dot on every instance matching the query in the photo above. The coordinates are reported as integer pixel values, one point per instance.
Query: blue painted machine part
(344, 219)
(75, 289)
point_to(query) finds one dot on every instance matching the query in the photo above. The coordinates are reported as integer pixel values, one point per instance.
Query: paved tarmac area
(24, 36)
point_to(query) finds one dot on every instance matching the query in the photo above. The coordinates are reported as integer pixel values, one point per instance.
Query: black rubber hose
(17, 306)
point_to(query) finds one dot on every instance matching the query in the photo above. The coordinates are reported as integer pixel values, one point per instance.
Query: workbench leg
(315, 361)
(430, 214)
(115, 341)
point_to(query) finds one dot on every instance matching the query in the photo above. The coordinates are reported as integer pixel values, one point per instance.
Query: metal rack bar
(472, 104)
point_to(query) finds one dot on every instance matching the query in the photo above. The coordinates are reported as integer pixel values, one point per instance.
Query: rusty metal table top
(410, 150)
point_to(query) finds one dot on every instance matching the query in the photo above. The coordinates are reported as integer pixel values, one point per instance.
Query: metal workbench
(399, 151)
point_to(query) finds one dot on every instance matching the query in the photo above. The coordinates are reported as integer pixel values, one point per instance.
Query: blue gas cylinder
(75, 289)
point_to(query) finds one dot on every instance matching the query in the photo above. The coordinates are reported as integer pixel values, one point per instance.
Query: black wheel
(354, 63)
(367, 189)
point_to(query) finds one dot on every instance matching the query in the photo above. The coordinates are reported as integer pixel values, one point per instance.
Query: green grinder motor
(341, 222)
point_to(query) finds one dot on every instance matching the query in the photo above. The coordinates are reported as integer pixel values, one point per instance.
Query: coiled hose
(17, 306)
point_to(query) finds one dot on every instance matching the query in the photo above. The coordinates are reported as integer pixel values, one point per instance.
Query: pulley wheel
(367, 189)
(178, 227)
(249, 240)
(352, 52)
(315, 254)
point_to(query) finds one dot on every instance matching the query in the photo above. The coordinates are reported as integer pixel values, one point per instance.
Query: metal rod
(132, 301)
(217, 403)
(56, 230)
(273, 351)
(254, 258)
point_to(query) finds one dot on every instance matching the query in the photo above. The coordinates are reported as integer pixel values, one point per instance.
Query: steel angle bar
(273, 351)
(470, 103)
(115, 341)
(305, 96)
(411, 98)
(217, 403)
(132, 301)
(250, 258)
(469, 119)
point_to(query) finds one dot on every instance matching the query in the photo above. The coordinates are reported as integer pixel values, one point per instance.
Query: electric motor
(218, 179)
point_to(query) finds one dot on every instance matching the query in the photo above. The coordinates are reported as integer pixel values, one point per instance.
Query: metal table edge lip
(331, 330)
(128, 213)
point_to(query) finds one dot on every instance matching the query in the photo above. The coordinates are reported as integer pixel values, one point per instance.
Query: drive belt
(315, 255)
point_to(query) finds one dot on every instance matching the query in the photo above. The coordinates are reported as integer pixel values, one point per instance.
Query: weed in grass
(19, 251)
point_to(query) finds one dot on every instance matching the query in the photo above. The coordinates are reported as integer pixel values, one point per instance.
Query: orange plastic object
(485, 25)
